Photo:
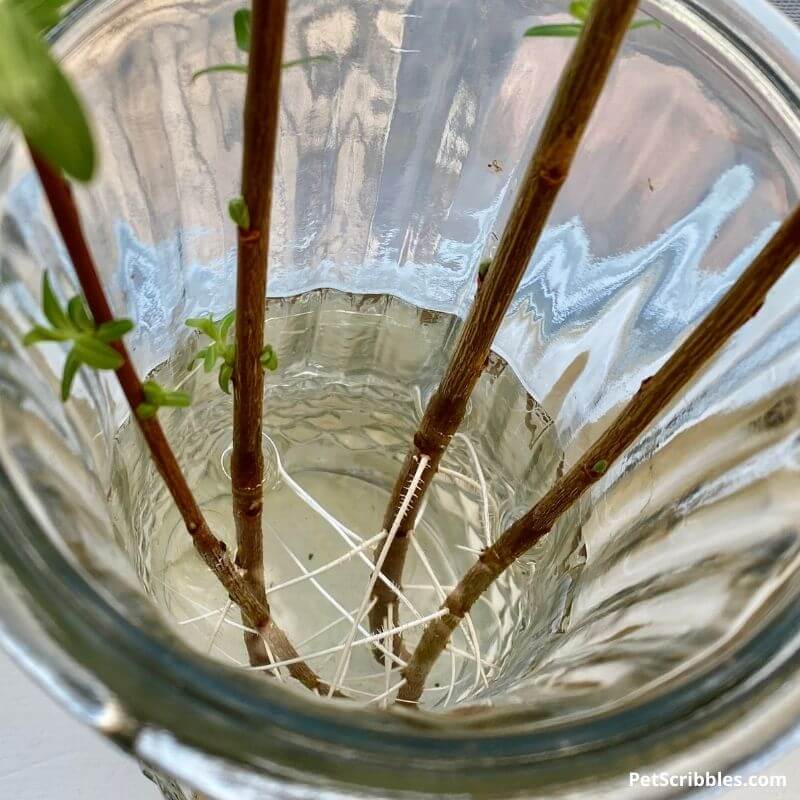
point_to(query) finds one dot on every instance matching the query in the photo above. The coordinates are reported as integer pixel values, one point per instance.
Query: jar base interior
(333, 446)
(601, 612)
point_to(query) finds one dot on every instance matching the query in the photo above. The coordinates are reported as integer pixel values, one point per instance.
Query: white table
(46, 755)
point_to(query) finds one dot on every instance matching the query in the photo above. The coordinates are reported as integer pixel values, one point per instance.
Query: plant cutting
(576, 97)
(97, 341)
(276, 419)
(98, 337)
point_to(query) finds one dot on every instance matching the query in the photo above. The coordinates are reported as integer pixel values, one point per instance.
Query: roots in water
(333, 444)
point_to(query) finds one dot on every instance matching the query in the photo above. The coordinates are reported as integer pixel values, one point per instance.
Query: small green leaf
(225, 324)
(483, 269)
(198, 356)
(113, 331)
(225, 375)
(239, 212)
(241, 68)
(51, 307)
(580, 9)
(155, 397)
(600, 467)
(269, 358)
(563, 29)
(644, 23)
(210, 357)
(40, 334)
(219, 348)
(79, 314)
(71, 366)
(37, 97)
(152, 392)
(42, 14)
(203, 324)
(146, 410)
(176, 399)
(97, 354)
(241, 29)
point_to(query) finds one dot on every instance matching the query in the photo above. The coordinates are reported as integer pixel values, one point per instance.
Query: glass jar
(657, 629)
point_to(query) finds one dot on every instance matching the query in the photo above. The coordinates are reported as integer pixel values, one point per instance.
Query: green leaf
(37, 97)
(209, 357)
(79, 314)
(113, 331)
(51, 307)
(71, 366)
(298, 62)
(97, 354)
(42, 14)
(644, 23)
(225, 324)
(269, 358)
(483, 268)
(152, 392)
(225, 375)
(198, 356)
(40, 334)
(241, 29)
(563, 29)
(146, 410)
(241, 68)
(580, 9)
(175, 399)
(156, 397)
(240, 213)
(203, 324)
(218, 349)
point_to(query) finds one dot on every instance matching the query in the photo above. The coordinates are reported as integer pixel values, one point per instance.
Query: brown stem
(211, 549)
(261, 108)
(742, 302)
(577, 94)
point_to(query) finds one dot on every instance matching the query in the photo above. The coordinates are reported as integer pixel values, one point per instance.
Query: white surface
(46, 755)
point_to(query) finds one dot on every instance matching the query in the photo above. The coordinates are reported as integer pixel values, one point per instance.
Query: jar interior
(354, 375)
(686, 548)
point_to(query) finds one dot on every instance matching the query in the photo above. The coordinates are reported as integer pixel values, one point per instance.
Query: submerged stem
(261, 109)
(742, 301)
(578, 92)
(212, 550)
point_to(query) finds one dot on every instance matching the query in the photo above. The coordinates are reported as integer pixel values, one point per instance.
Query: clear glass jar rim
(205, 707)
